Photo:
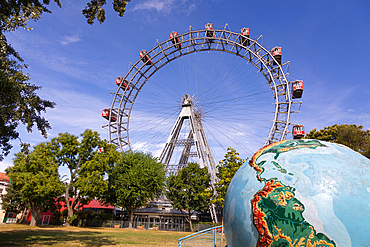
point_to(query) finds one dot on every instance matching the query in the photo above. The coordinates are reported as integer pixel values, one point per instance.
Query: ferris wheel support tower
(196, 137)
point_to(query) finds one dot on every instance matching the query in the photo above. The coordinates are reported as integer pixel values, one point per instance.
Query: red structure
(245, 34)
(297, 89)
(105, 114)
(210, 33)
(145, 57)
(122, 83)
(298, 131)
(175, 40)
(46, 217)
(94, 205)
(4, 177)
(277, 54)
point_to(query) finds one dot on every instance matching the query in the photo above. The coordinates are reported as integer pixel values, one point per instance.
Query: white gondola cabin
(298, 131)
(145, 57)
(297, 89)
(122, 83)
(175, 40)
(277, 54)
(105, 114)
(245, 36)
(210, 32)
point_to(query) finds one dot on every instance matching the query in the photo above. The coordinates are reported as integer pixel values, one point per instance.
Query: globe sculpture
(300, 193)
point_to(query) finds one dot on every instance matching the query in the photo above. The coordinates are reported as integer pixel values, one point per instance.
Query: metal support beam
(196, 137)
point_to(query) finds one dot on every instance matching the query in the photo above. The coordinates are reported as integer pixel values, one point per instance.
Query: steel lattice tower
(196, 137)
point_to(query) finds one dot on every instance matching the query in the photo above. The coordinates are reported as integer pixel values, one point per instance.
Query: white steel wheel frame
(196, 41)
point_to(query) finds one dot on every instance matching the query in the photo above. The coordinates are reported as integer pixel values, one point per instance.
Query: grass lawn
(22, 235)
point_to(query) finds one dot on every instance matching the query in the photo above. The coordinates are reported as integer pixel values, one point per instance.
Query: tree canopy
(19, 103)
(18, 100)
(135, 179)
(226, 171)
(16, 14)
(87, 166)
(34, 180)
(95, 9)
(190, 190)
(353, 136)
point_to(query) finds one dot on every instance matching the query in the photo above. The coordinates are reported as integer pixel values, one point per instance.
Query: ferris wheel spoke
(238, 96)
(232, 140)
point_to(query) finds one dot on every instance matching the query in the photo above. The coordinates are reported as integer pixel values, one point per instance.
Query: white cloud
(5, 164)
(190, 9)
(74, 113)
(75, 110)
(159, 5)
(58, 59)
(70, 39)
(165, 6)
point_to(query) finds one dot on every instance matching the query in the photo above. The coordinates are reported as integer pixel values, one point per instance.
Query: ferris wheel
(238, 91)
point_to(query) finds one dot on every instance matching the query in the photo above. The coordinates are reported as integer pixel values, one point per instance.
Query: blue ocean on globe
(300, 193)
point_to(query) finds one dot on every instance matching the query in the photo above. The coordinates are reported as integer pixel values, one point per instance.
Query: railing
(212, 237)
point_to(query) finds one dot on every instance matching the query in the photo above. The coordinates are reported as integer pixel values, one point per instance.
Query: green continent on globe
(277, 214)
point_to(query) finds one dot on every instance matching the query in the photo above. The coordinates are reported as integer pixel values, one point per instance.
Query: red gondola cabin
(145, 57)
(105, 114)
(277, 54)
(175, 40)
(297, 89)
(298, 131)
(122, 83)
(245, 34)
(210, 33)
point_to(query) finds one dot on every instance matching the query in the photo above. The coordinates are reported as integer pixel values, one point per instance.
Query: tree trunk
(70, 215)
(23, 217)
(69, 207)
(130, 219)
(36, 215)
(188, 219)
(191, 225)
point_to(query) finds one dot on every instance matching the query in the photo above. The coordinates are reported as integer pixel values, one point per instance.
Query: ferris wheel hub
(187, 100)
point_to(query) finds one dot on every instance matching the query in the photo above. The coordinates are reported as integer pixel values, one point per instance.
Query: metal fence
(102, 223)
(212, 237)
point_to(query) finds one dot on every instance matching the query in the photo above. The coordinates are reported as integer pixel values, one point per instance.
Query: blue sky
(327, 43)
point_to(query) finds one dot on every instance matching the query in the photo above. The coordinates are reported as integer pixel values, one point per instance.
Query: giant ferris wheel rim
(196, 41)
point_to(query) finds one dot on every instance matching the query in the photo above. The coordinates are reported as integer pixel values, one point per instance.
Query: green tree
(94, 9)
(190, 190)
(135, 179)
(18, 100)
(19, 103)
(353, 136)
(35, 179)
(15, 14)
(87, 166)
(226, 171)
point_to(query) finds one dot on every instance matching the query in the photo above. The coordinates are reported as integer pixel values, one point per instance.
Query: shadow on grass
(39, 236)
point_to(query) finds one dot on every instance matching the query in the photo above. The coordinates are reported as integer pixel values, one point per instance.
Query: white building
(4, 181)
